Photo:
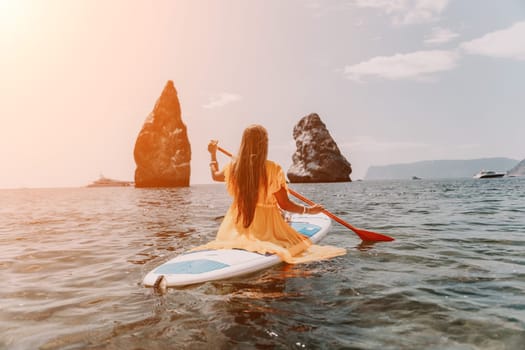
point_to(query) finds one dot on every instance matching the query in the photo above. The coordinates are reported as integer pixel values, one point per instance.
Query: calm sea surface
(72, 262)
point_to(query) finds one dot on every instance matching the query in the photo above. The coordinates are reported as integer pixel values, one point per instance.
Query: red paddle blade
(365, 235)
(371, 236)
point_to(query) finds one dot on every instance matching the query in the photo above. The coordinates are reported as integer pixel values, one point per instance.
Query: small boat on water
(488, 174)
(106, 182)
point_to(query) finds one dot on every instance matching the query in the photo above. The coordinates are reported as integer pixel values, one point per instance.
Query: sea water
(73, 259)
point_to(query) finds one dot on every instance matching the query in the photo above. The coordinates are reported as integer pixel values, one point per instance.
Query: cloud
(440, 35)
(403, 12)
(506, 43)
(420, 65)
(221, 100)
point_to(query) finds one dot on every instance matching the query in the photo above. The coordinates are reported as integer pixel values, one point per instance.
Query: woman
(254, 221)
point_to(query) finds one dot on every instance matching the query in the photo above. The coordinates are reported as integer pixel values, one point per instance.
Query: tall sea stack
(162, 150)
(317, 157)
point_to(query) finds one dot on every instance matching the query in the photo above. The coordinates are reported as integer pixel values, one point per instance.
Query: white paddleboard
(208, 265)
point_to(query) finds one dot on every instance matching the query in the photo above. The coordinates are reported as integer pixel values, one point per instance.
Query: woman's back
(275, 179)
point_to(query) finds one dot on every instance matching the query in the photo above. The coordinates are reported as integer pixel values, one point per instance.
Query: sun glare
(11, 12)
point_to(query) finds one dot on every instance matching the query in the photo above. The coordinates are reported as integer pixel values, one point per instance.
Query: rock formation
(162, 150)
(518, 170)
(317, 157)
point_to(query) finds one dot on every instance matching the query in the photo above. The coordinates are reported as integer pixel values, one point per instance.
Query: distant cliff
(435, 169)
(518, 170)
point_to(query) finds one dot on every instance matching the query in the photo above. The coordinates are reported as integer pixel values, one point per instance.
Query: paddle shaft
(307, 201)
(363, 234)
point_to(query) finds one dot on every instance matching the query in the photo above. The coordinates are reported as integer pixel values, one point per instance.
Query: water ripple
(73, 261)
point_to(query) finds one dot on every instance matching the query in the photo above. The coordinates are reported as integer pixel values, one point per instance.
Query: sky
(395, 81)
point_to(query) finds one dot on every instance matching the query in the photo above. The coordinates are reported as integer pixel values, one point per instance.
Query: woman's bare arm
(216, 174)
(286, 204)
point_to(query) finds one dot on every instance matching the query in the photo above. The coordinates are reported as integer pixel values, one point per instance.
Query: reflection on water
(73, 260)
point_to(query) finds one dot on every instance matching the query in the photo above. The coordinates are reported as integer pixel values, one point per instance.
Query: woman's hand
(314, 209)
(212, 147)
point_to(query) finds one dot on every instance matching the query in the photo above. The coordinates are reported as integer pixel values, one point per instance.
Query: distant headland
(439, 169)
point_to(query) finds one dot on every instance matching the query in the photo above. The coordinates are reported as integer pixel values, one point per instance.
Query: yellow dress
(268, 232)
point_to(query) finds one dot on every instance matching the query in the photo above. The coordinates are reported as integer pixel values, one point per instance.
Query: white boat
(106, 182)
(488, 174)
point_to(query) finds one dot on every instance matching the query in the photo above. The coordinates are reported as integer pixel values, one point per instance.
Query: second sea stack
(317, 157)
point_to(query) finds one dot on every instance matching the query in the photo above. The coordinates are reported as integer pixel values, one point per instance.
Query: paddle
(365, 235)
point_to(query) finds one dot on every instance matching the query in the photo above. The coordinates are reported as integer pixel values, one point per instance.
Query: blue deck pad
(305, 228)
(190, 267)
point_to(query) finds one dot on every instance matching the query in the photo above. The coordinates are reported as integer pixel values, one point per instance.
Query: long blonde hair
(249, 172)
